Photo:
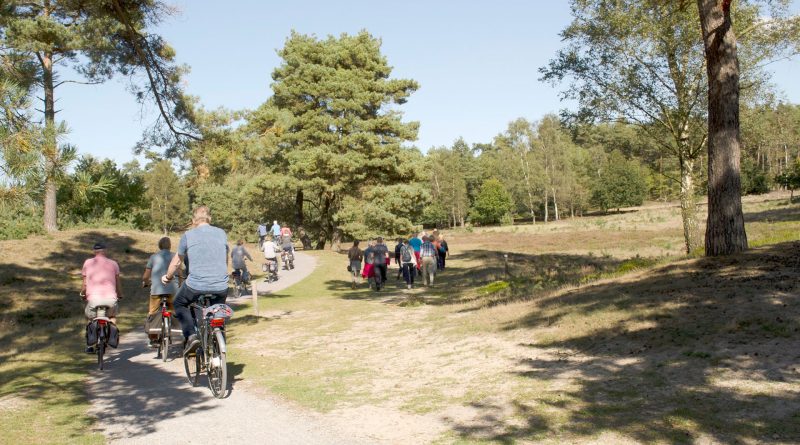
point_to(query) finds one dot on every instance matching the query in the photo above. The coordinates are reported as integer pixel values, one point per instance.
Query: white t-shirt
(269, 250)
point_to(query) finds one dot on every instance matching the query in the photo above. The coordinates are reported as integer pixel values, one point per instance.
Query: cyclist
(286, 231)
(101, 284)
(206, 247)
(238, 257)
(157, 265)
(270, 254)
(287, 245)
(276, 231)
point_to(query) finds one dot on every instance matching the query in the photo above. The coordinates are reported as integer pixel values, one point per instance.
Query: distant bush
(20, 222)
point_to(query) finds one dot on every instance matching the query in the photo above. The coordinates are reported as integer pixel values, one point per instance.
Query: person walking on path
(444, 251)
(408, 263)
(397, 261)
(206, 247)
(355, 255)
(428, 255)
(157, 266)
(379, 263)
(369, 256)
(416, 243)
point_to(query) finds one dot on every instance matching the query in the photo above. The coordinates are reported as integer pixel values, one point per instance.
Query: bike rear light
(102, 322)
(217, 322)
(165, 313)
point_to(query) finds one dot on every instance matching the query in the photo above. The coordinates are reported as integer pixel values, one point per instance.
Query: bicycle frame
(210, 355)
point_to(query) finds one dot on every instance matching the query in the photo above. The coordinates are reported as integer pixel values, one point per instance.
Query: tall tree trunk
(50, 151)
(688, 205)
(725, 232)
(546, 203)
(555, 205)
(299, 220)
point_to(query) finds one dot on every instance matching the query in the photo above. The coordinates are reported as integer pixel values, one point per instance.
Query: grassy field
(599, 330)
(601, 333)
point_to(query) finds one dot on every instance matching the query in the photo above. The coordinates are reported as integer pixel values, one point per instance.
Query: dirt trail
(138, 399)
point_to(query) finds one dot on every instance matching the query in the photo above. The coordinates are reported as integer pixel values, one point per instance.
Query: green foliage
(167, 198)
(492, 203)
(621, 183)
(327, 145)
(20, 221)
(754, 180)
(99, 190)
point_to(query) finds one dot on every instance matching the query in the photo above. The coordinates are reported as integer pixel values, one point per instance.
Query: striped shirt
(428, 249)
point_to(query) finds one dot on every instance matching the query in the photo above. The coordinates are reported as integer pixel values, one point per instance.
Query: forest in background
(328, 152)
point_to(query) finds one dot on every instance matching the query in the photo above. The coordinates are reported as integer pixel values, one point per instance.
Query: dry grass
(666, 350)
(42, 364)
(601, 333)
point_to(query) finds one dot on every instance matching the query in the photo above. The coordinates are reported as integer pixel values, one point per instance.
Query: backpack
(91, 333)
(405, 254)
(113, 335)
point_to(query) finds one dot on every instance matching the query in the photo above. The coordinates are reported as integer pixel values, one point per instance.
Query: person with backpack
(408, 263)
(397, 261)
(444, 250)
(369, 256)
(380, 262)
(428, 254)
(355, 255)
(416, 243)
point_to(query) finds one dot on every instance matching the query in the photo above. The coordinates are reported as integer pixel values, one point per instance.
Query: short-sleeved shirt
(158, 265)
(286, 231)
(276, 229)
(368, 255)
(238, 254)
(355, 254)
(269, 250)
(207, 249)
(415, 243)
(380, 251)
(101, 277)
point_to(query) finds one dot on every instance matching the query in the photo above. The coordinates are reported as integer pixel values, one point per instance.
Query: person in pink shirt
(101, 283)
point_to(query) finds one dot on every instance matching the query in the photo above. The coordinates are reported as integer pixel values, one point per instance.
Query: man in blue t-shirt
(157, 266)
(276, 232)
(416, 243)
(206, 247)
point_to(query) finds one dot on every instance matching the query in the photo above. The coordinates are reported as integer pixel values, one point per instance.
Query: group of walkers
(421, 253)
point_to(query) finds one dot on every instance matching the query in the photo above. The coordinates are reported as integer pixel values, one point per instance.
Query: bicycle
(165, 340)
(271, 268)
(102, 331)
(287, 257)
(210, 356)
(240, 279)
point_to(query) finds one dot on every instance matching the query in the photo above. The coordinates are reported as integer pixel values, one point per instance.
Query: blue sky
(476, 63)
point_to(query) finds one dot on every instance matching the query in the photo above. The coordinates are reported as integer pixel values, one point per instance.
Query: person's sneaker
(90, 349)
(190, 344)
(409, 286)
(154, 343)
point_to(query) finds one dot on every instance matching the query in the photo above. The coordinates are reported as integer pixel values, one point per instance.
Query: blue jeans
(186, 296)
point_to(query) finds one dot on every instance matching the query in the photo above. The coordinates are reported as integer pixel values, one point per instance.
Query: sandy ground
(138, 399)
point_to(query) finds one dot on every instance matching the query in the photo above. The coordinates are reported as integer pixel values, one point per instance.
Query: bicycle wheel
(165, 339)
(217, 366)
(192, 366)
(236, 290)
(101, 350)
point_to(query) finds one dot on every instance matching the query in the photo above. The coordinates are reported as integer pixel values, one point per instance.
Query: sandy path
(138, 399)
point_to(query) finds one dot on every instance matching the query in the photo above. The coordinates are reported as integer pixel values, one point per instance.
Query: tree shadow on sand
(697, 349)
